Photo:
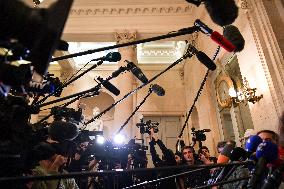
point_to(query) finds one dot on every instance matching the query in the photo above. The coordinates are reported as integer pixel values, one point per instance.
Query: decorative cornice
(256, 22)
(131, 10)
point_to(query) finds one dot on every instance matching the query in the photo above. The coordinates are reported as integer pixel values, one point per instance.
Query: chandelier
(246, 94)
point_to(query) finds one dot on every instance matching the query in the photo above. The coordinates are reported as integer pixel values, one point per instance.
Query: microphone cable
(198, 94)
(188, 54)
(136, 109)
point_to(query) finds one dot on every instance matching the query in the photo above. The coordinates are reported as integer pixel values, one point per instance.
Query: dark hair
(221, 144)
(203, 147)
(274, 135)
(188, 147)
(232, 142)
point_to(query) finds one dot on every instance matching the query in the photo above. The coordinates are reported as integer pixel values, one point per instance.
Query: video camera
(69, 114)
(146, 126)
(199, 134)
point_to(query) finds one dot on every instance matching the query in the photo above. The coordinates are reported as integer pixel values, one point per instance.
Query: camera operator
(194, 179)
(167, 160)
(54, 154)
(205, 157)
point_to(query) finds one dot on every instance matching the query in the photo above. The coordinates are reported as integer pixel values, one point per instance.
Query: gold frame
(228, 102)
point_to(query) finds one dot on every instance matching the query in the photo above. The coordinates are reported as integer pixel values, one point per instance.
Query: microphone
(204, 59)
(137, 72)
(61, 131)
(42, 88)
(221, 12)
(110, 57)
(158, 90)
(109, 86)
(267, 152)
(252, 143)
(215, 36)
(233, 34)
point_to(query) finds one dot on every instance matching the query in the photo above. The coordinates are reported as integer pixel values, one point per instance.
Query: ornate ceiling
(99, 20)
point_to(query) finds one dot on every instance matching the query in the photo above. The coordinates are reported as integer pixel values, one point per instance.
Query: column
(125, 84)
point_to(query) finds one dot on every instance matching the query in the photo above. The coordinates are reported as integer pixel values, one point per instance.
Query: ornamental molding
(272, 60)
(132, 10)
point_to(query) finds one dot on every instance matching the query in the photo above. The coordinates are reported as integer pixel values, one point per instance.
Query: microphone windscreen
(267, 150)
(113, 57)
(222, 12)
(60, 131)
(204, 59)
(233, 34)
(158, 90)
(252, 143)
(238, 154)
(222, 41)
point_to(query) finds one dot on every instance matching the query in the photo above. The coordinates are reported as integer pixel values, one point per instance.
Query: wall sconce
(228, 96)
(246, 94)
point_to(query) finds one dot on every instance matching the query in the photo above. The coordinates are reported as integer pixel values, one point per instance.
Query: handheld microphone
(267, 152)
(221, 12)
(61, 131)
(252, 143)
(215, 36)
(137, 72)
(110, 57)
(109, 86)
(158, 90)
(233, 34)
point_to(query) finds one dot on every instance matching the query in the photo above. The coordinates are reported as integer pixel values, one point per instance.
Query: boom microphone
(110, 57)
(136, 71)
(233, 34)
(222, 12)
(158, 90)
(204, 59)
(61, 131)
(109, 86)
(215, 36)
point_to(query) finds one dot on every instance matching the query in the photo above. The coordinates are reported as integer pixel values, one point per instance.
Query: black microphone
(136, 71)
(221, 12)
(215, 36)
(233, 34)
(61, 131)
(110, 57)
(158, 90)
(204, 59)
(110, 87)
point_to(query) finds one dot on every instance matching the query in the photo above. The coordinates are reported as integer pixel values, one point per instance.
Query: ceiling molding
(130, 10)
